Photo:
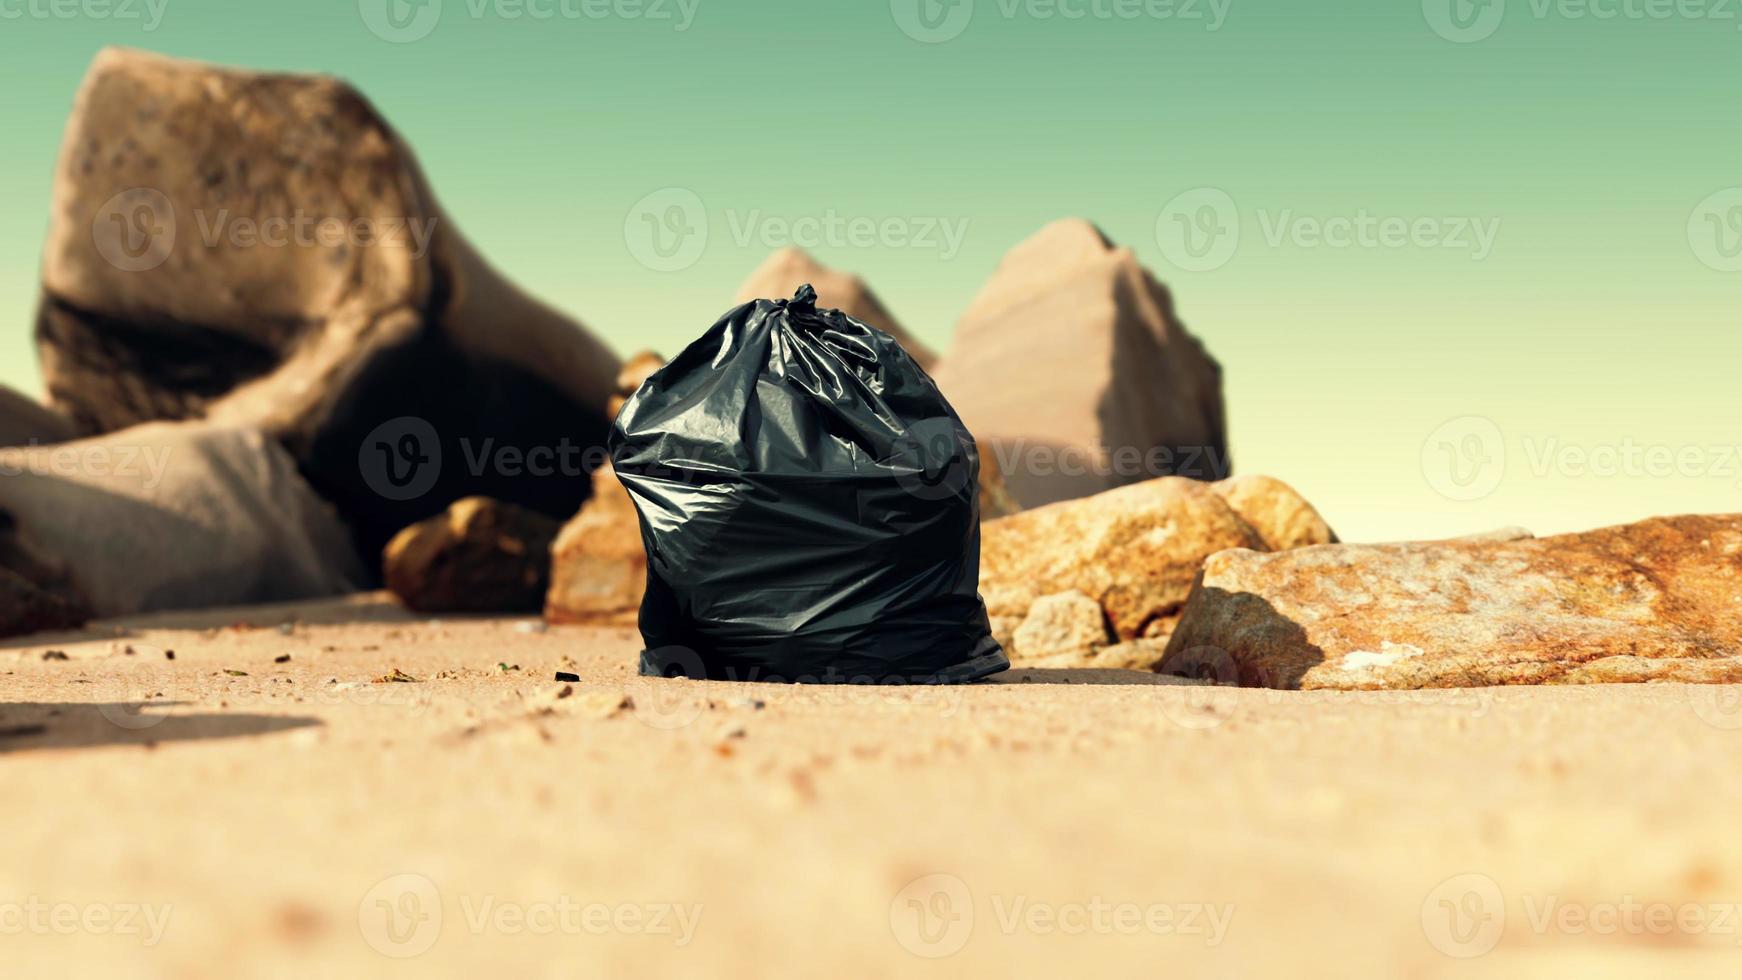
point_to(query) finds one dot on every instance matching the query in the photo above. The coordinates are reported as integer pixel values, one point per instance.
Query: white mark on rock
(1390, 653)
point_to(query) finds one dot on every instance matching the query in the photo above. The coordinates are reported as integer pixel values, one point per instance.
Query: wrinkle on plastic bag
(809, 504)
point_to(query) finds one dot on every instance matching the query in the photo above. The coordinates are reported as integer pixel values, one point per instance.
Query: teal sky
(1596, 320)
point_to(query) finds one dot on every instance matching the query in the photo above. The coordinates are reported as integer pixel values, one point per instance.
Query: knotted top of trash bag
(809, 506)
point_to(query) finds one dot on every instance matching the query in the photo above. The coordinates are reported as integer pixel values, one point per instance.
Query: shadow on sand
(79, 725)
(1084, 675)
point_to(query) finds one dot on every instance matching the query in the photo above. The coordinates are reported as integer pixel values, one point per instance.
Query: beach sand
(295, 819)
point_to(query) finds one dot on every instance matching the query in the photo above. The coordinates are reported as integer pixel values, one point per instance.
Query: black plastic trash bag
(810, 507)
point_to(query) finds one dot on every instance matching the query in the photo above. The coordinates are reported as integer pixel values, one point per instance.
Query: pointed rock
(1073, 368)
(262, 250)
(791, 267)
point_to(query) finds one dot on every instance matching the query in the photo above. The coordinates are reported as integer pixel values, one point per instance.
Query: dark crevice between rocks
(485, 414)
(119, 371)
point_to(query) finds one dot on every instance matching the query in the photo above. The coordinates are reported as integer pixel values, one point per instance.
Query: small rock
(282, 658)
(396, 676)
(1136, 550)
(481, 555)
(55, 655)
(1068, 625)
(563, 675)
(598, 565)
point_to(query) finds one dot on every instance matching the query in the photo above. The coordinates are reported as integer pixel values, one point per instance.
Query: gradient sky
(1598, 322)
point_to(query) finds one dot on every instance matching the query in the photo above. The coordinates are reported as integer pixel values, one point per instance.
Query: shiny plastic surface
(809, 505)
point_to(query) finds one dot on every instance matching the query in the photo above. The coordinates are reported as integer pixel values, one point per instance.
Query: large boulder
(1660, 600)
(24, 422)
(789, 268)
(169, 516)
(480, 555)
(262, 250)
(1134, 550)
(1074, 370)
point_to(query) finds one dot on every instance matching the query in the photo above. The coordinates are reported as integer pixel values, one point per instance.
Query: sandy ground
(294, 819)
